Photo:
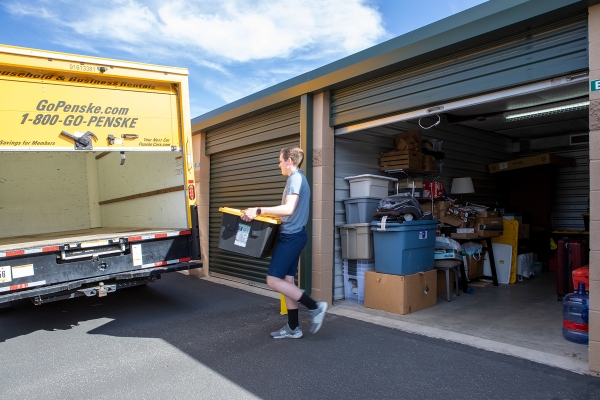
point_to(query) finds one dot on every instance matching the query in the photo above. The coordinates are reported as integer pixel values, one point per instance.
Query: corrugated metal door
(571, 187)
(468, 153)
(247, 175)
(541, 53)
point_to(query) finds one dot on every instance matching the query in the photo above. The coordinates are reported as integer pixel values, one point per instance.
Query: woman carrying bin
(292, 238)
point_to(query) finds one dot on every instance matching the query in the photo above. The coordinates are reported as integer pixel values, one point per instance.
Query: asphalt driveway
(182, 337)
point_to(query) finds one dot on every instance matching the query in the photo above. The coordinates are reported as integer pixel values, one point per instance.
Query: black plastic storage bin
(253, 239)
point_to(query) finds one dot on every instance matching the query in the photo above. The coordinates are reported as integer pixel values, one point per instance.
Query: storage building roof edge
(478, 21)
(56, 55)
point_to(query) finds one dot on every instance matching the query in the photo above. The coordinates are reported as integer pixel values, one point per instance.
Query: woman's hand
(248, 214)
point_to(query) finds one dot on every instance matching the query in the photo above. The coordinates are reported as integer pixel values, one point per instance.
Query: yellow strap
(237, 212)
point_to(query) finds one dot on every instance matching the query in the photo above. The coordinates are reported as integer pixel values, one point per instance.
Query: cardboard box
(541, 159)
(523, 231)
(414, 135)
(487, 234)
(441, 283)
(489, 224)
(406, 183)
(453, 221)
(429, 164)
(426, 206)
(443, 205)
(407, 144)
(433, 189)
(397, 159)
(400, 294)
(426, 144)
(475, 267)
(464, 235)
(487, 214)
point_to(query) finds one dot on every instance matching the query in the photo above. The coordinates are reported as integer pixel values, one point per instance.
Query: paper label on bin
(423, 235)
(241, 237)
(382, 224)
(503, 165)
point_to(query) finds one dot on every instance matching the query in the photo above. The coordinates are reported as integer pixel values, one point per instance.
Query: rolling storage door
(244, 173)
(527, 57)
(571, 187)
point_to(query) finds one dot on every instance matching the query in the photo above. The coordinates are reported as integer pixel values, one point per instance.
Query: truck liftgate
(94, 267)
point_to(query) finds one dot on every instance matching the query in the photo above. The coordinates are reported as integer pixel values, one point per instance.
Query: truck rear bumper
(80, 287)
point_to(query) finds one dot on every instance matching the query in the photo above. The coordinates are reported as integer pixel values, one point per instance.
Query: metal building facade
(544, 52)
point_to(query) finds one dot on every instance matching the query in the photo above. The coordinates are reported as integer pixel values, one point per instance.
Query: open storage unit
(480, 133)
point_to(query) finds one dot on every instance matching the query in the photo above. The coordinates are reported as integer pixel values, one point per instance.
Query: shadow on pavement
(227, 330)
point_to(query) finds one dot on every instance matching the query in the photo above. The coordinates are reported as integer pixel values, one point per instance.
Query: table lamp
(462, 186)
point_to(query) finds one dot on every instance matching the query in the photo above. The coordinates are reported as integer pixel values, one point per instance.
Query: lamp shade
(462, 185)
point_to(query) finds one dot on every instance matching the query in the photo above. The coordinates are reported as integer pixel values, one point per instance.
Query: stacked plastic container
(354, 279)
(404, 248)
(366, 191)
(357, 240)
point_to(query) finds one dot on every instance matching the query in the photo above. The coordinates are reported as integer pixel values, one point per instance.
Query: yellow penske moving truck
(96, 175)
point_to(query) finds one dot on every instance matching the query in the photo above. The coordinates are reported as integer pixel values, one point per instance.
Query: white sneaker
(318, 316)
(287, 333)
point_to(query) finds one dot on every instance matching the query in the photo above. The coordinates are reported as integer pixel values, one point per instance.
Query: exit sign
(595, 85)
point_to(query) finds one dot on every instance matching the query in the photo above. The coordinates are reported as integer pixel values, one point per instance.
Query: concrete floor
(522, 319)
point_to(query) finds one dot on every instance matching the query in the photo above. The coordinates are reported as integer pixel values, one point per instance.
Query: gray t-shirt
(296, 184)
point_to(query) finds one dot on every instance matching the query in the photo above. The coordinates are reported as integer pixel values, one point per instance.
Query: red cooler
(582, 275)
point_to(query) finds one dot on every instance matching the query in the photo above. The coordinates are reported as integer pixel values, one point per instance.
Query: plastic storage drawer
(253, 239)
(357, 241)
(369, 185)
(359, 210)
(404, 248)
(354, 279)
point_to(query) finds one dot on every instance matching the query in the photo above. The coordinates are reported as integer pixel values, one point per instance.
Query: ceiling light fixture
(547, 109)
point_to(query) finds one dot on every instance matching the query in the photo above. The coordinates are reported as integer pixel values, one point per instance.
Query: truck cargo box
(97, 187)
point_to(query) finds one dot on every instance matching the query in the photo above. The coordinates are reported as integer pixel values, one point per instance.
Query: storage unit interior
(51, 197)
(526, 313)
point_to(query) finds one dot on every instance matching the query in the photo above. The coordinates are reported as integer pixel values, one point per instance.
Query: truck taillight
(192, 192)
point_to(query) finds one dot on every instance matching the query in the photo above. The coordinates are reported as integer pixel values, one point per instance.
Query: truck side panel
(40, 109)
(55, 192)
(42, 192)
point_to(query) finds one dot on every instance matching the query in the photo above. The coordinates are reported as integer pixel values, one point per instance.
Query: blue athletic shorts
(286, 255)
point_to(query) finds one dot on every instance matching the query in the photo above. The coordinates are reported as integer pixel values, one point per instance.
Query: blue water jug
(575, 316)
